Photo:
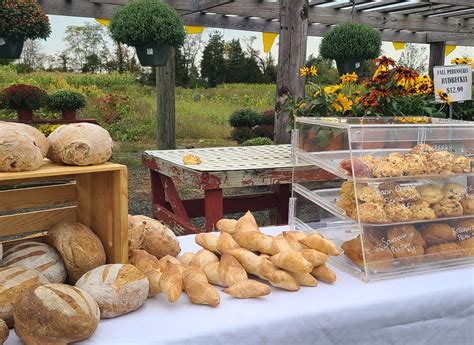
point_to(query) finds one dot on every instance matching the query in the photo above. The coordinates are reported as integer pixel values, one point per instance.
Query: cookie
(468, 204)
(347, 189)
(407, 193)
(430, 193)
(448, 208)
(371, 213)
(422, 149)
(414, 165)
(370, 194)
(461, 165)
(387, 169)
(437, 233)
(444, 251)
(421, 210)
(453, 191)
(397, 212)
(377, 255)
(406, 244)
(370, 161)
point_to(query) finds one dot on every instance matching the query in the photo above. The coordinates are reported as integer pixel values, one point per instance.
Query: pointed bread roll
(292, 261)
(280, 244)
(304, 279)
(210, 270)
(171, 282)
(324, 273)
(248, 216)
(248, 289)
(254, 241)
(319, 243)
(198, 288)
(203, 257)
(148, 264)
(186, 259)
(207, 241)
(245, 225)
(230, 270)
(226, 225)
(225, 242)
(164, 261)
(314, 257)
(294, 235)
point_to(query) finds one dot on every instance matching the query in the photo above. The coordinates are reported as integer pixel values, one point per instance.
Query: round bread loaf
(55, 314)
(80, 249)
(17, 151)
(13, 281)
(4, 332)
(117, 288)
(37, 256)
(80, 144)
(35, 135)
(159, 240)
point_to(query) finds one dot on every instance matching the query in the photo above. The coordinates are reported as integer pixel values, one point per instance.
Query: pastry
(378, 256)
(397, 212)
(191, 160)
(324, 273)
(440, 162)
(422, 149)
(396, 158)
(347, 189)
(372, 213)
(444, 251)
(464, 229)
(467, 246)
(430, 193)
(370, 194)
(461, 165)
(406, 243)
(448, 208)
(348, 205)
(421, 210)
(453, 191)
(406, 193)
(468, 204)
(387, 169)
(436, 233)
(414, 165)
(370, 161)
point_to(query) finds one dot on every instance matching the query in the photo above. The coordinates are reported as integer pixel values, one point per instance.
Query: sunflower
(463, 61)
(423, 86)
(302, 105)
(406, 77)
(313, 71)
(444, 96)
(329, 90)
(341, 103)
(349, 78)
(385, 61)
(304, 71)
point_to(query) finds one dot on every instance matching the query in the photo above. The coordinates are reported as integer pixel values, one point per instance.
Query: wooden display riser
(96, 196)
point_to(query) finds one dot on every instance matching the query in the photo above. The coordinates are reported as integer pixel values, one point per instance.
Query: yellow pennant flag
(449, 49)
(103, 21)
(192, 30)
(399, 45)
(268, 40)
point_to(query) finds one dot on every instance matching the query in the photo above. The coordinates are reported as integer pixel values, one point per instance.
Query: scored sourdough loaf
(34, 134)
(13, 281)
(117, 288)
(55, 314)
(36, 256)
(80, 144)
(80, 249)
(18, 152)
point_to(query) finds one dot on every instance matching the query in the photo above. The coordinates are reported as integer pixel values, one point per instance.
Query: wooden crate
(96, 196)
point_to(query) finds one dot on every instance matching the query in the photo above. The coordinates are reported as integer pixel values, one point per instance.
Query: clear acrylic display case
(403, 202)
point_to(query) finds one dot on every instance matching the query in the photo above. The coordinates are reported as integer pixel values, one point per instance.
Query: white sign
(455, 80)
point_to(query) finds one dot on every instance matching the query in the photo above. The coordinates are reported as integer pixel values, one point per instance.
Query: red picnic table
(220, 168)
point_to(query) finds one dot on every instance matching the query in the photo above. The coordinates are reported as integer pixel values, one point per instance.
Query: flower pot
(69, 114)
(350, 65)
(11, 48)
(25, 115)
(152, 54)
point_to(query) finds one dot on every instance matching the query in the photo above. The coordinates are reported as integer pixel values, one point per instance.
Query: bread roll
(80, 144)
(4, 331)
(18, 152)
(226, 225)
(148, 264)
(207, 241)
(203, 257)
(37, 256)
(80, 249)
(324, 273)
(197, 287)
(171, 282)
(13, 281)
(34, 134)
(319, 243)
(55, 314)
(226, 242)
(248, 289)
(118, 288)
(159, 240)
(186, 259)
(292, 261)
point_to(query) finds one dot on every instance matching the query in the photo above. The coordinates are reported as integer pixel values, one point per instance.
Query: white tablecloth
(434, 308)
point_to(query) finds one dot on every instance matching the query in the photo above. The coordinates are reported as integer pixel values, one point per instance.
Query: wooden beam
(468, 3)
(165, 107)
(437, 50)
(291, 57)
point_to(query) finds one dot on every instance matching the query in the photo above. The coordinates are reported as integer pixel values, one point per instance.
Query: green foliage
(245, 118)
(66, 99)
(142, 21)
(241, 134)
(264, 131)
(268, 117)
(327, 74)
(258, 141)
(351, 40)
(213, 62)
(235, 62)
(48, 129)
(20, 96)
(23, 19)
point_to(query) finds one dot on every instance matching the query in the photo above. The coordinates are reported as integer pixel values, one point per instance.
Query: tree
(186, 71)
(266, 64)
(413, 57)
(213, 62)
(327, 74)
(63, 61)
(31, 56)
(235, 62)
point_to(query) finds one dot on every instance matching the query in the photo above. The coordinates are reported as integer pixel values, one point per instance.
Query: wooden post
(291, 57)
(165, 107)
(437, 50)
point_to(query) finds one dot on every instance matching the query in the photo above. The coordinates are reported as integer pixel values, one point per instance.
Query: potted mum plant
(150, 26)
(20, 20)
(67, 102)
(350, 45)
(24, 99)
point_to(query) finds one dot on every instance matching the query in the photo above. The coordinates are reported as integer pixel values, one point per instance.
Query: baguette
(248, 289)
(319, 243)
(198, 288)
(324, 273)
(292, 261)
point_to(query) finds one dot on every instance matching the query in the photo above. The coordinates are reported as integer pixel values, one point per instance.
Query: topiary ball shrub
(245, 118)
(258, 141)
(66, 99)
(264, 131)
(351, 40)
(144, 21)
(241, 134)
(268, 117)
(23, 19)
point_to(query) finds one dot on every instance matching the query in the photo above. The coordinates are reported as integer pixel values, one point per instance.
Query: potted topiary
(24, 99)
(150, 26)
(66, 101)
(20, 20)
(350, 44)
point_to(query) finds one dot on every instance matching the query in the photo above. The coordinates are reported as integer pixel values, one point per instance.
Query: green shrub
(23, 19)
(66, 99)
(143, 21)
(241, 134)
(351, 40)
(258, 141)
(264, 131)
(268, 117)
(245, 118)
(20, 96)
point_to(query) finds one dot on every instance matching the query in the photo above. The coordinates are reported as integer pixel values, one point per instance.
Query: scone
(437, 233)
(407, 193)
(370, 161)
(371, 213)
(430, 193)
(440, 162)
(378, 256)
(348, 205)
(421, 210)
(386, 168)
(453, 191)
(370, 194)
(191, 160)
(422, 149)
(467, 246)
(461, 165)
(347, 189)
(468, 204)
(414, 165)
(448, 208)
(444, 251)
(397, 212)
(406, 244)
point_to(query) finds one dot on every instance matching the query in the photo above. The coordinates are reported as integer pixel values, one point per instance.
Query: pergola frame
(434, 22)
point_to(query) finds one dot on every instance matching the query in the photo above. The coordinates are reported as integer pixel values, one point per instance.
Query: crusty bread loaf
(37, 256)
(35, 135)
(159, 240)
(4, 331)
(18, 152)
(80, 249)
(13, 281)
(117, 288)
(80, 144)
(55, 314)
(136, 234)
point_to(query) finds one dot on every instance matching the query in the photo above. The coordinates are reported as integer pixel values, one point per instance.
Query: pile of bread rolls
(23, 147)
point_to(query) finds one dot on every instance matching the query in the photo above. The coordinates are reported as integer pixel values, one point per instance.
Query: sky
(55, 42)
